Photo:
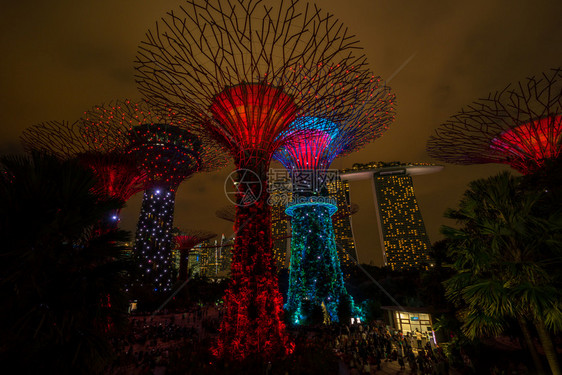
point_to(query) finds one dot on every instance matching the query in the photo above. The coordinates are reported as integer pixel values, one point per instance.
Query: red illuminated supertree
(184, 243)
(228, 213)
(117, 173)
(244, 71)
(169, 153)
(520, 125)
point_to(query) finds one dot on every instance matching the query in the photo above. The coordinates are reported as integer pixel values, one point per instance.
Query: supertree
(169, 153)
(279, 235)
(244, 70)
(184, 243)
(315, 277)
(228, 213)
(520, 125)
(117, 173)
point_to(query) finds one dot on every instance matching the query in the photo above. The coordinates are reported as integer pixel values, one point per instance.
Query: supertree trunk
(315, 276)
(153, 243)
(253, 317)
(184, 261)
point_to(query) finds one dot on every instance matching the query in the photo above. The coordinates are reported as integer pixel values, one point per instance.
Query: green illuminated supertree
(315, 278)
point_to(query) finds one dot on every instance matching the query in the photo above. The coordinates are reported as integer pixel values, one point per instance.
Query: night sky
(61, 57)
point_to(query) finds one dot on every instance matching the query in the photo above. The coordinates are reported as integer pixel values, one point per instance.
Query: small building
(408, 320)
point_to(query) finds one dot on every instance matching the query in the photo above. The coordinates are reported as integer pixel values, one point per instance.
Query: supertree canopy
(244, 70)
(520, 125)
(315, 278)
(318, 140)
(168, 152)
(117, 173)
(184, 243)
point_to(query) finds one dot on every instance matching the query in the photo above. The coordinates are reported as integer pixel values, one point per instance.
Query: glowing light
(315, 275)
(254, 114)
(527, 146)
(252, 117)
(310, 146)
(153, 240)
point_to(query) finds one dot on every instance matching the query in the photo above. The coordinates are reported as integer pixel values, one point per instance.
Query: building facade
(404, 240)
(280, 234)
(345, 242)
(211, 258)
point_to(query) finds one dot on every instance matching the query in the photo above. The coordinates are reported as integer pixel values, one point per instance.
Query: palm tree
(507, 258)
(60, 281)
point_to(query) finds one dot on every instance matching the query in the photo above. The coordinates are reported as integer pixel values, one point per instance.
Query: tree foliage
(507, 253)
(60, 276)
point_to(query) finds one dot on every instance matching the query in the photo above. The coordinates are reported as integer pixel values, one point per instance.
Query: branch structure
(118, 175)
(243, 71)
(520, 125)
(168, 151)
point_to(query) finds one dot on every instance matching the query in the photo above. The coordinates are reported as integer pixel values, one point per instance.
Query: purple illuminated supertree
(117, 173)
(169, 153)
(184, 243)
(520, 125)
(315, 278)
(244, 71)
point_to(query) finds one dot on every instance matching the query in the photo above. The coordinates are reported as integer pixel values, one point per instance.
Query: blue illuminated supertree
(169, 152)
(315, 278)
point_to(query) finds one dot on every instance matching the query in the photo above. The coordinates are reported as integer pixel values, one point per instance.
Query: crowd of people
(366, 349)
(154, 339)
(154, 343)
